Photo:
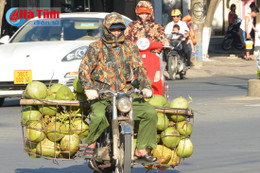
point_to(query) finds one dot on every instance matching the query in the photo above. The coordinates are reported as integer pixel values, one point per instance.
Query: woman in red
(232, 14)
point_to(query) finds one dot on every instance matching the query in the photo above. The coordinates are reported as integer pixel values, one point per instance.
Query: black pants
(186, 52)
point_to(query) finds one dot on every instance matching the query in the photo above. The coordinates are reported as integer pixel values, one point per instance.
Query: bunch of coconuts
(53, 131)
(173, 133)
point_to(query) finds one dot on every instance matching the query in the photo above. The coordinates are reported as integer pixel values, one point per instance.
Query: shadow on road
(11, 102)
(71, 169)
(83, 168)
(215, 48)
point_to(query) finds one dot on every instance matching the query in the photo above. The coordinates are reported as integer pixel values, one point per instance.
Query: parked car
(47, 53)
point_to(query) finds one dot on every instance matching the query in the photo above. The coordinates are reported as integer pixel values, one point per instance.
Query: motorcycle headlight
(124, 104)
(143, 43)
(76, 54)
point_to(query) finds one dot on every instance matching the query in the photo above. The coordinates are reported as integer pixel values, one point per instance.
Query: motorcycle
(115, 150)
(232, 38)
(175, 57)
(154, 65)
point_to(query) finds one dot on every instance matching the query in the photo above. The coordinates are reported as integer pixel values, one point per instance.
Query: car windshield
(70, 29)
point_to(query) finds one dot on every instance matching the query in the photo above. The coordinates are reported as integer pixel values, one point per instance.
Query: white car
(50, 54)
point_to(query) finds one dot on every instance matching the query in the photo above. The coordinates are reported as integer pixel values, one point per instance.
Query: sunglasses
(175, 16)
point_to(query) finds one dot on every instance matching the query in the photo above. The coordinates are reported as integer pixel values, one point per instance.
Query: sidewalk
(222, 63)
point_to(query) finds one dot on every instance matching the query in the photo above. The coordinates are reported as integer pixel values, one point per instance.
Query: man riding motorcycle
(108, 65)
(144, 26)
(176, 15)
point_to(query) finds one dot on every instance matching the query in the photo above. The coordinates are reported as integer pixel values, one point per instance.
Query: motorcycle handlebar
(168, 47)
(137, 91)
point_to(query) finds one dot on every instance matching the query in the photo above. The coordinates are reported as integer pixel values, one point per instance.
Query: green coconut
(35, 90)
(77, 86)
(30, 113)
(53, 89)
(64, 93)
(162, 122)
(35, 131)
(80, 127)
(55, 131)
(185, 148)
(48, 110)
(170, 137)
(184, 128)
(48, 149)
(30, 148)
(66, 128)
(79, 109)
(69, 145)
(158, 100)
(178, 103)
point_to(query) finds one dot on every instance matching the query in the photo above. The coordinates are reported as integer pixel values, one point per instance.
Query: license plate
(22, 76)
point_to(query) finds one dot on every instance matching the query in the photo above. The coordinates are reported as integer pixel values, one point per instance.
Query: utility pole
(207, 27)
(198, 15)
(202, 20)
(2, 6)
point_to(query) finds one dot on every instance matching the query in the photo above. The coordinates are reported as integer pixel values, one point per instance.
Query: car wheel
(2, 100)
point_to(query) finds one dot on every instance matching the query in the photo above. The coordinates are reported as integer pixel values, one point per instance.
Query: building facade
(162, 9)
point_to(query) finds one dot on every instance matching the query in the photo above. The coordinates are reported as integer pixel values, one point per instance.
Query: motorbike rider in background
(108, 65)
(176, 15)
(145, 26)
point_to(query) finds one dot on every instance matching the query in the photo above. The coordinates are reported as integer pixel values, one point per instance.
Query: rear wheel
(227, 44)
(2, 100)
(172, 66)
(124, 161)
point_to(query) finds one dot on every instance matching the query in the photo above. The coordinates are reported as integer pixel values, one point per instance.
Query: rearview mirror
(4, 39)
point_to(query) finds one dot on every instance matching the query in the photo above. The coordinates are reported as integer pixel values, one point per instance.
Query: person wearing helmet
(184, 29)
(108, 65)
(145, 26)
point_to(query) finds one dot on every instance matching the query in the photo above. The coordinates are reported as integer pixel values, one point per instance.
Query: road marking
(254, 105)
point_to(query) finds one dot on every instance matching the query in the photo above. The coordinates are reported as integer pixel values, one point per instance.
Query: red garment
(231, 17)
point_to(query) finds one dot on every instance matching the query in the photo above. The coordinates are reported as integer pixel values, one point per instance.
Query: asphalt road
(225, 137)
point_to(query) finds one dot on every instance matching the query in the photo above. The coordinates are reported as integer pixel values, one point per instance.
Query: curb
(222, 66)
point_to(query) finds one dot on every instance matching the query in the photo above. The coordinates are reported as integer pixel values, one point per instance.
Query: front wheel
(2, 100)
(123, 164)
(227, 44)
(172, 66)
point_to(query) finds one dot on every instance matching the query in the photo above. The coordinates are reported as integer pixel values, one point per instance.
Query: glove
(91, 94)
(147, 93)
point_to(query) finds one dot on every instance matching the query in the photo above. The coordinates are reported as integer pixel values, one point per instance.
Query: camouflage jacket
(109, 64)
(145, 29)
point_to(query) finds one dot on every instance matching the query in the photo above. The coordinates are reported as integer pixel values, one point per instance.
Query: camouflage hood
(147, 4)
(108, 38)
